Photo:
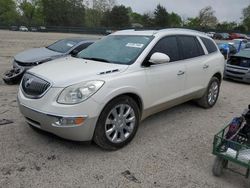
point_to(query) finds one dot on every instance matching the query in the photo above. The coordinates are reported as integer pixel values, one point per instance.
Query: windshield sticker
(70, 45)
(134, 45)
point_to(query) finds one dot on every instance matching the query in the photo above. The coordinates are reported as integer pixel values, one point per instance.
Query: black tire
(100, 137)
(204, 100)
(218, 166)
(13, 76)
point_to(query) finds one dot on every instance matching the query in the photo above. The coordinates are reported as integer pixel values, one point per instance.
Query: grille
(235, 72)
(234, 77)
(34, 87)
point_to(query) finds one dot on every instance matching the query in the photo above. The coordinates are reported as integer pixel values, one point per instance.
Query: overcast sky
(225, 10)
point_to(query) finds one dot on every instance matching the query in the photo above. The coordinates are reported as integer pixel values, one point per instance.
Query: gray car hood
(36, 54)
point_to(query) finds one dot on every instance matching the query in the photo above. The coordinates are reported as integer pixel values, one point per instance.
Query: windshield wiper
(97, 59)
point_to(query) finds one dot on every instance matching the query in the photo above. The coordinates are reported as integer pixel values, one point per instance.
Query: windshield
(120, 49)
(62, 46)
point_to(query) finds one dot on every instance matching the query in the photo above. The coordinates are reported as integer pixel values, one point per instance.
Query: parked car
(104, 92)
(23, 28)
(13, 28)
(33, 29)
(238, 67)
(239, 44)
(42, 29)
(210, 34)
(236, 36)
(217, 36)
(227, 49)
(30, 58)
(221, 36)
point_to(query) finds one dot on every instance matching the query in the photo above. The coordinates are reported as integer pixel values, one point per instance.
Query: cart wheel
(219, 164)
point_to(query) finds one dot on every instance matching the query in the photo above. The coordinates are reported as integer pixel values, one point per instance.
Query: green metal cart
(237, 151)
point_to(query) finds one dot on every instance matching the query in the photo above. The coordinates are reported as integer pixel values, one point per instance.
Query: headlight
(79, 92)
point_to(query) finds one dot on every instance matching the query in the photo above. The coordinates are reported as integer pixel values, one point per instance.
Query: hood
(35, 54)
(68, 71)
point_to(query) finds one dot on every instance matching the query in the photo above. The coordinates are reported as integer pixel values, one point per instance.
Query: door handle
(180, 73)
(205, 66)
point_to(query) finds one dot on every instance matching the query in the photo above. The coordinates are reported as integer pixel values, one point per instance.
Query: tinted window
(190, 47)
(169, 46)
(209, 45)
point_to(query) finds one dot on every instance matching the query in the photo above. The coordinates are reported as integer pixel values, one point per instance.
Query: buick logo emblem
(28, 82)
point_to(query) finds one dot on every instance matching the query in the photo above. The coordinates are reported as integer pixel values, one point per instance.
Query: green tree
(8, 13)
(161, 17)
(64, 12)
(97, 13)
(118, 17)
(175, 20)
(193, 23)
(226, 26)
(246, 17)
(207, 18)
(148, 20)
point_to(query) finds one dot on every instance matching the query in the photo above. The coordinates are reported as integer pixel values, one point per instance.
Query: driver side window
(169, 46)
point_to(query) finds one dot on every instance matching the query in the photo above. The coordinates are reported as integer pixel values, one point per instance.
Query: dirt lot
(171, 149)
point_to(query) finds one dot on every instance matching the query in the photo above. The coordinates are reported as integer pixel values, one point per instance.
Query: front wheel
(211, 95)
(117, 124)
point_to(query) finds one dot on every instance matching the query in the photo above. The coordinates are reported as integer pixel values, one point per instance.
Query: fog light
(69, 121)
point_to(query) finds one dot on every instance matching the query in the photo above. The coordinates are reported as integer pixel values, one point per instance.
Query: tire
(206, 101)
(13, 76)
(114, 128)
(219, 164)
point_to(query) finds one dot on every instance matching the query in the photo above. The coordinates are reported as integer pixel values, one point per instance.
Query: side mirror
(159, 58)
(74, 52)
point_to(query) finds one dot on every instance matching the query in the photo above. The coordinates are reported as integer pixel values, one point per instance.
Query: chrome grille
(34, 87)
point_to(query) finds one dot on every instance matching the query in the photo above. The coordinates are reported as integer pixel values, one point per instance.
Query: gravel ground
(171, 148)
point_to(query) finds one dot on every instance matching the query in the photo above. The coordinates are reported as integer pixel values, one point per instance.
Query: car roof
(161, 32)
(78, 39)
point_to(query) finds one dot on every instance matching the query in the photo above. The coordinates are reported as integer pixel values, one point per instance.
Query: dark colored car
(14, 28)
(33, 29)
(42, 29)
(221, 36)
(30, 58)
(238, 66)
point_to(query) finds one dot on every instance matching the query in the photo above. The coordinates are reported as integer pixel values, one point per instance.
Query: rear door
(196, 67)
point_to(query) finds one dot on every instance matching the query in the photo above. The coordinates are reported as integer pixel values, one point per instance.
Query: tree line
(106, 13)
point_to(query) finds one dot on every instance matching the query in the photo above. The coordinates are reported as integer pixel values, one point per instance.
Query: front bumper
(44, 112)
(46, 122)
(237, 73)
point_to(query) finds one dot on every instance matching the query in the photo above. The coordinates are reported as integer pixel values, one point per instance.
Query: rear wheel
(117, 124)
(211, 95)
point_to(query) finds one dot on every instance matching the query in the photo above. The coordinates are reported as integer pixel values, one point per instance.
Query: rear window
(209, 45)
(190, 47)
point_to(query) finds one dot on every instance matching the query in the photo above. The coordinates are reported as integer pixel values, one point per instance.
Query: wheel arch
(218, 75)
(132, 95)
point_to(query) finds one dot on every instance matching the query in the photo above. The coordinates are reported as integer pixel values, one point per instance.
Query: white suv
(104, 92)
